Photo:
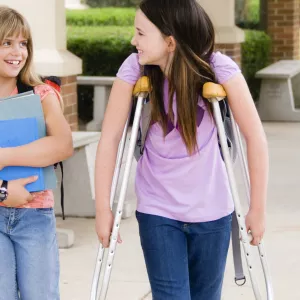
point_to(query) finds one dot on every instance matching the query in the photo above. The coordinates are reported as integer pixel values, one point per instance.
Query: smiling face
(153, 48)
(13, 56)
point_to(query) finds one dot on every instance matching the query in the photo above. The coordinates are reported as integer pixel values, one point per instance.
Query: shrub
(116, 3)
(249, 19)
(254, 10)
(255, 56)
(102, 50)
(109, 16)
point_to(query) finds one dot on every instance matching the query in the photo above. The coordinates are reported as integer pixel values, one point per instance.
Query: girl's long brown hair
(193, 32)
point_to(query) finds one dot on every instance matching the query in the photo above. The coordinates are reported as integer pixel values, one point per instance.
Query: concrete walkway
(129, 279)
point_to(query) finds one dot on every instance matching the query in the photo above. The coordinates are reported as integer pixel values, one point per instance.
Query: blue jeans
(185, 261)
(29, 261)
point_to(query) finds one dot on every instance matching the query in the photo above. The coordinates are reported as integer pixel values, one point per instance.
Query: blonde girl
(29, 261)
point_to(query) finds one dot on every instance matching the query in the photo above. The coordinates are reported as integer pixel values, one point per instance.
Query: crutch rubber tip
(142, 86)
(213, 90)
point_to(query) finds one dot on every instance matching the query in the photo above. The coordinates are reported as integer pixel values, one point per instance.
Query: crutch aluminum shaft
(119, 211)
(100, 255)
(234, 192)
(242, 157)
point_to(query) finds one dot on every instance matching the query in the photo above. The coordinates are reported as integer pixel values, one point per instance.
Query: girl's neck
(7, 85)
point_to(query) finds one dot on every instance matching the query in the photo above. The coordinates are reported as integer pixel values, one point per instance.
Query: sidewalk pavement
(282, 240)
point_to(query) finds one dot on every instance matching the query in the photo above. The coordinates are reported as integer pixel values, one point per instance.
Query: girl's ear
(171, 43)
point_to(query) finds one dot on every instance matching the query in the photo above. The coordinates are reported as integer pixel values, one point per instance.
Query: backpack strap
(23, 88)
(240, 278)
(62, 191)
(145, 123)
(53, 81)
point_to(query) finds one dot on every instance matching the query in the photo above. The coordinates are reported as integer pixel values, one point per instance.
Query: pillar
(47, 20)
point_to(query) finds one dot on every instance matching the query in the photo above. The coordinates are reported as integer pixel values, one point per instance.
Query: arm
(17, 194)
(46, 151)
(246, 116)
(113, 125)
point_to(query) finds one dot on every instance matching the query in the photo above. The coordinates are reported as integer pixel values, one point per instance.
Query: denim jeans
(185, 261)
(29, 260)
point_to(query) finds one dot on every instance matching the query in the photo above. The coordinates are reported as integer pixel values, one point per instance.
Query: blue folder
(18, 132)
(28, 106)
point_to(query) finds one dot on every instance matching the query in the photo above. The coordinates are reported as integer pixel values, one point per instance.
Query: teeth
(13, 62)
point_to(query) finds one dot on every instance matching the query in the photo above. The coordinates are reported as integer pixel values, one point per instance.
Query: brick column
(232, 50)
(283, 24)
(228, 36)
(69, 94)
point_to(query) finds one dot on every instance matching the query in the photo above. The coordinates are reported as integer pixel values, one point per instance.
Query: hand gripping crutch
(215, 93)
(141, 91)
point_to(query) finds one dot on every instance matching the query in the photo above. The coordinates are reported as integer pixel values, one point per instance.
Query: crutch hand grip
(249, 238)
(213, 91)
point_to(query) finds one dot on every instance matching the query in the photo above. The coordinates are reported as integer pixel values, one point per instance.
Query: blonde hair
(12, 23)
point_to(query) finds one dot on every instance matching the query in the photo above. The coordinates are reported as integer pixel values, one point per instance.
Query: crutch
(215, 93)
(141, 91)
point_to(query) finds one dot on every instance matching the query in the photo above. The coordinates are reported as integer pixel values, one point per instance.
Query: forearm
(258, 162)
(40, 153)
(104, 171)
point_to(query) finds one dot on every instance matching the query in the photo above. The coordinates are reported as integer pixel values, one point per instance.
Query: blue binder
(28, 106)
(18, 132)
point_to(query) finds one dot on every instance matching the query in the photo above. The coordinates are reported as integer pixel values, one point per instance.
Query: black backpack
(54, 82)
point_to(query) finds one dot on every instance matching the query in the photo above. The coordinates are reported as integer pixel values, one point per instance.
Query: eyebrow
(139, 29)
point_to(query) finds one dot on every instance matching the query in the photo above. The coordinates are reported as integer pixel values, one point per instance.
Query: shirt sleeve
(44, 90)
(130, 70)
(225, 68)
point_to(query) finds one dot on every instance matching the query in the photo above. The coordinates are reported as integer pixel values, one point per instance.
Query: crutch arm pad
(213, 90)
(142, 86)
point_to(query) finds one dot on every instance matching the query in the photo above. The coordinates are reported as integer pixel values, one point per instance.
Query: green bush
(109, 16)
(248, 19)
(116, 3)
(253, 13)
(102, 50)
(255, 56)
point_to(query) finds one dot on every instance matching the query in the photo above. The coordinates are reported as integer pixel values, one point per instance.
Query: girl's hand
(104, 224)
(17, 194)
(255, 223)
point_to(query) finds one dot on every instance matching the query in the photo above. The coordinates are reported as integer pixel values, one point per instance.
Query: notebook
(18, 132)
(25, 106)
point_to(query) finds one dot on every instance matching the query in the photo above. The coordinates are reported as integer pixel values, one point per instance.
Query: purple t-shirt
(169, 182)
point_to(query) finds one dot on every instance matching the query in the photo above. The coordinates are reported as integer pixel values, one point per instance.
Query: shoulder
(43, 90)
(130, 70)
(223, 66)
